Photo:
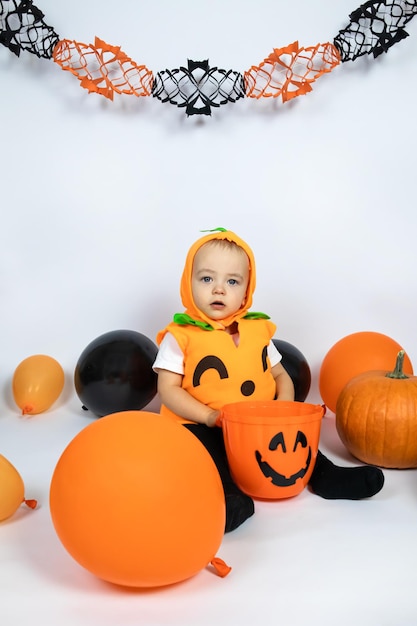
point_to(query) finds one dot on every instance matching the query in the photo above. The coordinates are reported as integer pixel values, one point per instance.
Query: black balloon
(114, 373)
(297, 367)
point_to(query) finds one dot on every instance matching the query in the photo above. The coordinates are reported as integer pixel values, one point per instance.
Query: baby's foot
(348, 483)
(239, 507)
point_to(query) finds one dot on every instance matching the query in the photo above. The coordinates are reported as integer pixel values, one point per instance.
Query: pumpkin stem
(398, 371)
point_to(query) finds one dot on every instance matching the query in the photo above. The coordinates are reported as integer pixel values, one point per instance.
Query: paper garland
(287, 72)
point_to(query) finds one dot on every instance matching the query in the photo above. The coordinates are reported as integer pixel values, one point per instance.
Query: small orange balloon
(12, 489)
(355, 354)
(137, 500)
(37, 383)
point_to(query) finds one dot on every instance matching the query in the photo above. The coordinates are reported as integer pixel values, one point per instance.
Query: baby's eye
(206, 279)
(233, 281)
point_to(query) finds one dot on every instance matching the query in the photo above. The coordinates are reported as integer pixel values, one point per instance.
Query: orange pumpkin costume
(216, 370)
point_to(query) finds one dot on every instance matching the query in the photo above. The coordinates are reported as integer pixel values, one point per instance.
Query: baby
(218, 352)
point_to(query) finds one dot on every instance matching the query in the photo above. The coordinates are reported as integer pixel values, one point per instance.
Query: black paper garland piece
(22, 28)
(374, 28)
(198, 87)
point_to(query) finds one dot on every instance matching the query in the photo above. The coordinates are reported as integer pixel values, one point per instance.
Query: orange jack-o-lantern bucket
(271, 446)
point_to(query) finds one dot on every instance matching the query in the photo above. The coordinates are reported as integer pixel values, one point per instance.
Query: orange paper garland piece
(288, 71)
(103, 69)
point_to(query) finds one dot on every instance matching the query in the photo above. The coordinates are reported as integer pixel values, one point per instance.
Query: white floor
(296, 562)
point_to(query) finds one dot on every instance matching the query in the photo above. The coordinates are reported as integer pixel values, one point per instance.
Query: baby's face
(219, 280)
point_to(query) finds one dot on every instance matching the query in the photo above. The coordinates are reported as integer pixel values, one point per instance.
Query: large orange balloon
(352, 355)
(137, 500)
(37, 383)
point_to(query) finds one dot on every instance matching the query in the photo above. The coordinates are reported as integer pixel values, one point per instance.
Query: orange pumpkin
(376, 417)
(352, 355)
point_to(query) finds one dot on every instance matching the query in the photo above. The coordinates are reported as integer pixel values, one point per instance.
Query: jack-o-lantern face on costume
(278, 441)
(212, 365)
(271, 446)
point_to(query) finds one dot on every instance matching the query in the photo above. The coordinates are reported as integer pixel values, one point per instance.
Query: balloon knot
(222, 569)
(32, 504)
(27, 409)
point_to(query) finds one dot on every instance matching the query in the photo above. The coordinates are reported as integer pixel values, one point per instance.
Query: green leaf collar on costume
(184, 319)
(256, 315)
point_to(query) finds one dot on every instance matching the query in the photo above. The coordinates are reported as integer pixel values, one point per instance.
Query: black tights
(239, 506)
(212, 440)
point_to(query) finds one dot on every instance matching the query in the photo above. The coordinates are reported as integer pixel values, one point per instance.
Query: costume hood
(186, 292)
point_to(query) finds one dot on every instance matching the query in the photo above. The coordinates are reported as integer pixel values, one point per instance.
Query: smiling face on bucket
(220, 279)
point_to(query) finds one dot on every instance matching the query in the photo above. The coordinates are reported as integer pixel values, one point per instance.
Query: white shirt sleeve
(171, 358)
(274, 356)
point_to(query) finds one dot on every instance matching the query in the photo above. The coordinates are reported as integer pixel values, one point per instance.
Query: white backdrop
(101, 201)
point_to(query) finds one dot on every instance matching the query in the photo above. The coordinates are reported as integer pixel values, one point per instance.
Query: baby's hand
(212, 418)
